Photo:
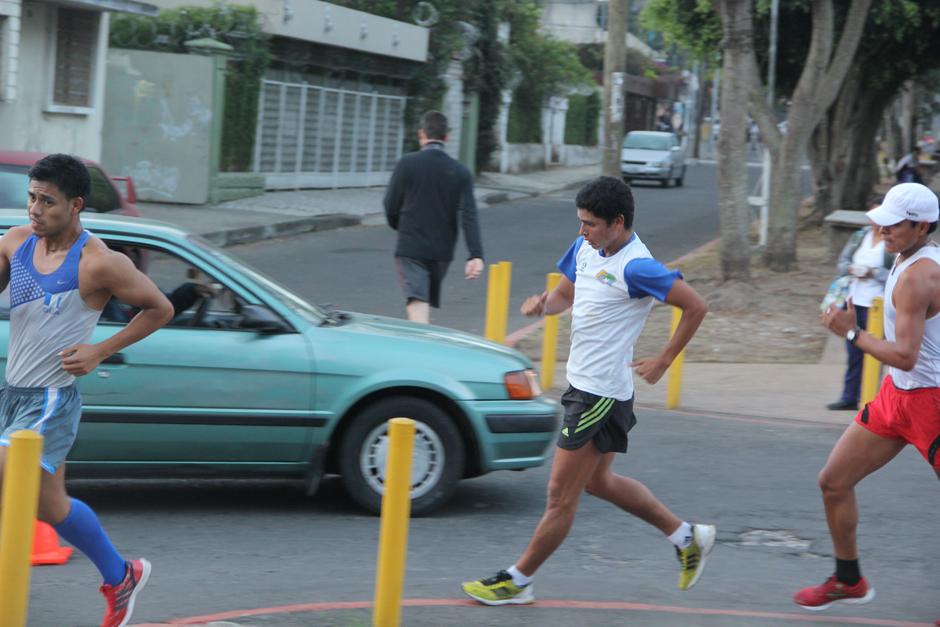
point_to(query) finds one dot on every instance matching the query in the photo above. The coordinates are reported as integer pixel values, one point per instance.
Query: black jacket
(426, 192)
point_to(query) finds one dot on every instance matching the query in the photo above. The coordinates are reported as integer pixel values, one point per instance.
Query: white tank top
(47, 314)
(926, 372)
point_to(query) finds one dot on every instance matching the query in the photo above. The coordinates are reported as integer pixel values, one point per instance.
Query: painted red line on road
(516, 336)
(550, 603)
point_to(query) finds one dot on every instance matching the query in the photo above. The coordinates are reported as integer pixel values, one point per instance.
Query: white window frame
(51, 105)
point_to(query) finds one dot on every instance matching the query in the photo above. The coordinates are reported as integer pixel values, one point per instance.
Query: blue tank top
(47, 314)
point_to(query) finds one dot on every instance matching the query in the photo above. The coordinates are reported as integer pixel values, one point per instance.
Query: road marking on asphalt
(564, 604)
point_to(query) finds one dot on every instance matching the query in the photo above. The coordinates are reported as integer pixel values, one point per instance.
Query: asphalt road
(219, 546)
(353, 268)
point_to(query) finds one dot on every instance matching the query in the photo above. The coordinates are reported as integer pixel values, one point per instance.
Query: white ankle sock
(518, 578)
(681, 537)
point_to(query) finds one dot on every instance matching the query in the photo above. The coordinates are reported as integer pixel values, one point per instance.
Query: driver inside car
(182, 297)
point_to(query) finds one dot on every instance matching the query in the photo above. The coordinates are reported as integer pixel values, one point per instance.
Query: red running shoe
(120, 598)
(832, 591)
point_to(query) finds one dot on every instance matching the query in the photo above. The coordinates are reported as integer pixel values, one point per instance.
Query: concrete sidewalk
(282, 213)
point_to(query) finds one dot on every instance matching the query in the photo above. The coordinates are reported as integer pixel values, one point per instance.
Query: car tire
(681, 178)
(439, 454)
(665, 182)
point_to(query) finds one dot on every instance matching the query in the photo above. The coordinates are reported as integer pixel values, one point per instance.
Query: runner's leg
(857, 454)
(571, 470)
(631, 496)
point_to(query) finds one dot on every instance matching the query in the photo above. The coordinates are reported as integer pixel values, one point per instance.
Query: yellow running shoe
(498, 590)
(692, 558)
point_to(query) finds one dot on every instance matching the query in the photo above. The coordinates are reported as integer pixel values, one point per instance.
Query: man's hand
(650, 370)
(474, 268)
(80, 359)
(534, 305)
(839, 321)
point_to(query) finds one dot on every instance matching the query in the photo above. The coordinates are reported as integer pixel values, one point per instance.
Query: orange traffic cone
(46, 549)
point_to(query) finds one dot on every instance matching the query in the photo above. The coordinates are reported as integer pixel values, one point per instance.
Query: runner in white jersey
(907, 408)
(610, 280)
(60, 277)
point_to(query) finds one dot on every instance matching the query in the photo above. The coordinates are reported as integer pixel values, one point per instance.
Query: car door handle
(116, 358)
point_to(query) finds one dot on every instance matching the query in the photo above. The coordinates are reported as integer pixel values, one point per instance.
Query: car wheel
(437, 463)
(681, 179)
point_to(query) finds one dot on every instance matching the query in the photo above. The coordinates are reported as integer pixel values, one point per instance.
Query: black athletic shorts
(588, 417)
(421, 279)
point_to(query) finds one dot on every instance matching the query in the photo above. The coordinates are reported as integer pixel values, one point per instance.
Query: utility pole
(615, 66)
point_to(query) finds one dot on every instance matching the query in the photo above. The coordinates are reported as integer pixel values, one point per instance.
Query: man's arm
(469, 219)
(912, 297)
(395, 195)
(8, 245)
(117, 274)
(693, 308)
(561, 298)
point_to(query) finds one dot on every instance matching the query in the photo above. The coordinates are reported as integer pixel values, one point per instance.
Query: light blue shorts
(52, 412)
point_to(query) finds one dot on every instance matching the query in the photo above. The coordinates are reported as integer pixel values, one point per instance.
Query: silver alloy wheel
(427, 462)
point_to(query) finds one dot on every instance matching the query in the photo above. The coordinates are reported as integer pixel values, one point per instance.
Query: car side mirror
(126, 188)
(261, 320)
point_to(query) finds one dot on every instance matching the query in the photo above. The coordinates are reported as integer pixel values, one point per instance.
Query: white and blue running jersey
(612, 299)
(47, 314)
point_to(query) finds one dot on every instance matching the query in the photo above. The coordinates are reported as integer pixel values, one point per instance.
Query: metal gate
(309, 136)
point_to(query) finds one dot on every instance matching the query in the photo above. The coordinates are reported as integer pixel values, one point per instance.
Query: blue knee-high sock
(82, 529)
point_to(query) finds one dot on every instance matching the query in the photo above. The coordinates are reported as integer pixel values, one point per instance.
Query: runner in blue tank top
(60, 278)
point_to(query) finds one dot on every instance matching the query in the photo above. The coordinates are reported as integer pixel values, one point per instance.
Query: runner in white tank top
(907, 408)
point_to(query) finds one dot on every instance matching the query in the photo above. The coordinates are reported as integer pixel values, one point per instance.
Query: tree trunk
(819, 85)
(735, 215)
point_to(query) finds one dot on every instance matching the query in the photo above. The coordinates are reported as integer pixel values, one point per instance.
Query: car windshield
(644, 141)
(14, 184)
(293, 302)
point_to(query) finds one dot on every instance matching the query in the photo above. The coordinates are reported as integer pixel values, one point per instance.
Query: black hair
(66, 172)
(930, 227)
(875, 199)
(434, 125)
(607, 197)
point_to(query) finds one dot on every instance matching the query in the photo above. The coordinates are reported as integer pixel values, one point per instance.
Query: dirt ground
(774, 319)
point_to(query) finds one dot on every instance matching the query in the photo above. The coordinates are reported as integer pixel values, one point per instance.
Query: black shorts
(588, 417)
(421, 279)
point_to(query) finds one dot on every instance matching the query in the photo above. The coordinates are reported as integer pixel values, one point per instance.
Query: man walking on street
(60, 278)
(907, 408)
(427, 191)
(610, 278)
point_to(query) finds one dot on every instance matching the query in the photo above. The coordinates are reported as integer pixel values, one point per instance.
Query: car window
(198, 300)
(103, 197)
(14, 186)
(647, 142)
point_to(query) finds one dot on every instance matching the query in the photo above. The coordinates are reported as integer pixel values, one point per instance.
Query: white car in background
(652, 155)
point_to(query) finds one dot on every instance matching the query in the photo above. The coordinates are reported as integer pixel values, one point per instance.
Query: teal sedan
(249, 380)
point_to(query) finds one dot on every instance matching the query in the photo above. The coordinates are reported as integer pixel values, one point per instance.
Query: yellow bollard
(674, 381)
(393, 533)
(17, 524)
(491, 329)
(506, 281)
(550, 338)
(871, 367)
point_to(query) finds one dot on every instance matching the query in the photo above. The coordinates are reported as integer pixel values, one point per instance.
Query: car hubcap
(427, 462)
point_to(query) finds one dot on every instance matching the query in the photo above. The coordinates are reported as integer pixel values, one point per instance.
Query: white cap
(906, 201)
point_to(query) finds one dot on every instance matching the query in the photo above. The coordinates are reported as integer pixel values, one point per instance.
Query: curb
(250, 234)
(326, 222)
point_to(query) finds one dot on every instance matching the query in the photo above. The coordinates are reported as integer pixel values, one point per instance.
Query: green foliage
(691, 24)
(582, 119)
(235, 25)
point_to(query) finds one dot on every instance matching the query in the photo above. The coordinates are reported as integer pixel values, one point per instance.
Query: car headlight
(522, 385)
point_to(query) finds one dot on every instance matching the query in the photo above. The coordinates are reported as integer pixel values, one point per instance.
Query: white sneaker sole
(704, 536)
(144, 576)
(527, 596)
(859, 601)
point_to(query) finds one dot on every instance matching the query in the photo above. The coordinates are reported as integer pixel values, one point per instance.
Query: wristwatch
(852, 334)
